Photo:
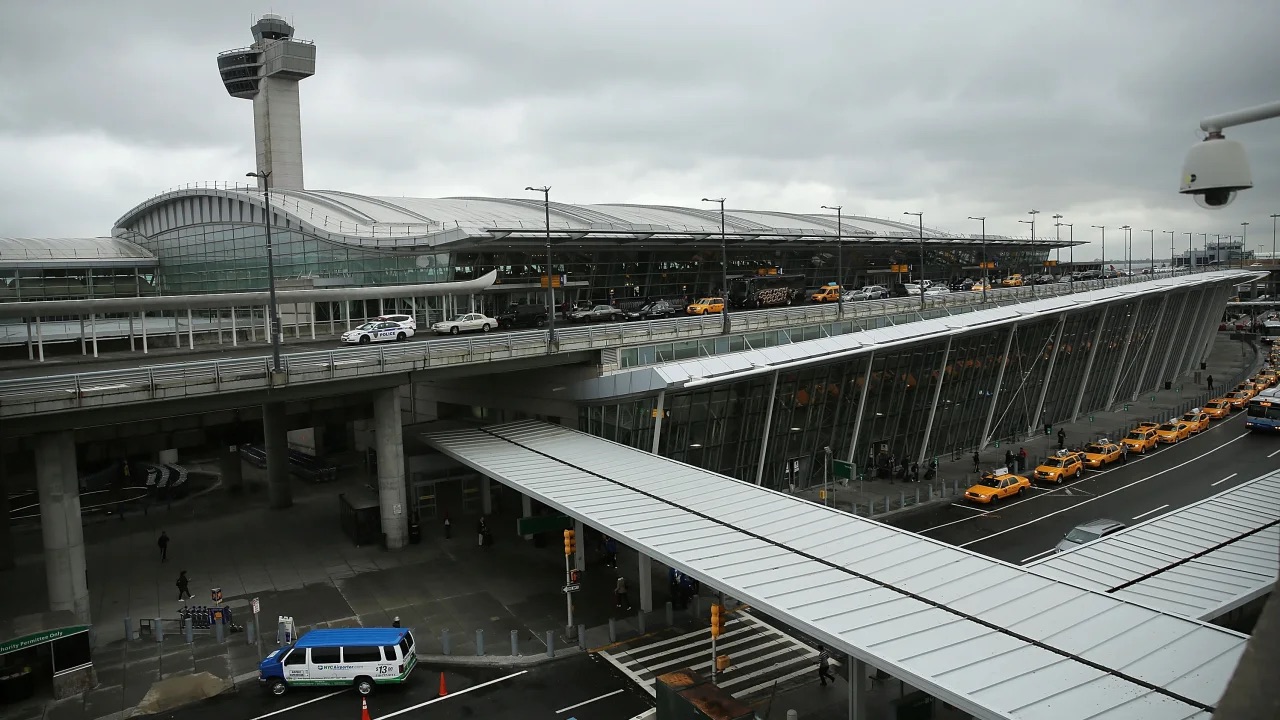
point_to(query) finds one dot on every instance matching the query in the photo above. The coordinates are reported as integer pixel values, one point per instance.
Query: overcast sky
(953, 107)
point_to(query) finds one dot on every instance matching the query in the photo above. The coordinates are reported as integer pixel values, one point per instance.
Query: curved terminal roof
(72, 252)
(403, 223)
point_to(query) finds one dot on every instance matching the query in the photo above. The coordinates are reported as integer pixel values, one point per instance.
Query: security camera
(1215, 171)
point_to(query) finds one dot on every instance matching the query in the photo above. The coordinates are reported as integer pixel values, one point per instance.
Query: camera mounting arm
(1216, 123)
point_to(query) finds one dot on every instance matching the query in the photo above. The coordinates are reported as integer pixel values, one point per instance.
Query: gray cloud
(980, 107)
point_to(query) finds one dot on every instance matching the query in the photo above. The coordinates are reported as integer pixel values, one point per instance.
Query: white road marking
(307, 702)
(1274, 454)
(1099, 497)
(1033, 557)
(1231, 476)
(586, 702)
(968, 507)
(452, 695)
(1139, 517)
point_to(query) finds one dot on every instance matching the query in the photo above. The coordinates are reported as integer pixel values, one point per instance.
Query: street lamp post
(983, 220)
(724, 268)
(1273, 252)
(276, 331)
(1103, 262)
(1244, 241)
(551, 285)
(1071, 253)
(1191, 255)
(920, 283)
(1128, 248)
(839, 258)
(1172, 235)
(1153, 251)
(1205, 235)
(1033, 213)
(1057, 236)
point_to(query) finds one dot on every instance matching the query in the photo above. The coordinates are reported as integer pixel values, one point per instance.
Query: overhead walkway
(1201, 561)
(993, 639)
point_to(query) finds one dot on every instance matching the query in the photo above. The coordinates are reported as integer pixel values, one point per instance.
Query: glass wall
(1111, 350)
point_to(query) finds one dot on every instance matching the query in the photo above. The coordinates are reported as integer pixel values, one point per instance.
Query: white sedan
(372, 332)
(465, 323)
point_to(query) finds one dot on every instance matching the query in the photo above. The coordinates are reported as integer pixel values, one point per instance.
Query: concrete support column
(645, 585)
(580, 552)
(230, 467)
(486, 496)
(276, 431)
(59, 489)
(526, 509)
(391, 480)
(857, 689)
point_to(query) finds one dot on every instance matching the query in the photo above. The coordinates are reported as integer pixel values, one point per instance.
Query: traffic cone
(364, 709)
(443, 692)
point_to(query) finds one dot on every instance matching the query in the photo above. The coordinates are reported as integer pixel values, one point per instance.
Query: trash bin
(415, 533)
(1168, 384)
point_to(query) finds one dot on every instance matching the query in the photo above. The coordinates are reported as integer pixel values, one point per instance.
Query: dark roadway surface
(539, 692)
(1175, 475)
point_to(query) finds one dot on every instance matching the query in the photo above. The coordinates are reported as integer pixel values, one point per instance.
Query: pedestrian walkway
(1230, 361)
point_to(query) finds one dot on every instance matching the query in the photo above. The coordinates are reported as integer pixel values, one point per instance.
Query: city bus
(760, 291)
(1270, 331)
(1263, 411)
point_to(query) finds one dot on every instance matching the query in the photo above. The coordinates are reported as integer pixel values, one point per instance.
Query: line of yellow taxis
(1065, 465)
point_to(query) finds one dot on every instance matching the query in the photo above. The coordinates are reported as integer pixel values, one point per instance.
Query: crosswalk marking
(760, 657)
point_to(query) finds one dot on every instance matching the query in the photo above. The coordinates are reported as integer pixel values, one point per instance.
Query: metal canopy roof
(993, 639)
(73, 253)
(1200, 561)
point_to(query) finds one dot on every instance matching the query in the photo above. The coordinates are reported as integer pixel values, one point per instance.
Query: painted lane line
(968, 507)
(1229, 476)
(1099, 497)
(586, 702)
(308, 702)
(1274, 454)
(1033, 557)
(625, 670)
(1139, 517)
(452, 695)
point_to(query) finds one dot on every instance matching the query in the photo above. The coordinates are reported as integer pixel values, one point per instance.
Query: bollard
(917, 494)
(613, 631)
(670, 614)
(551, 643)
(479, 642)
(582, 637)
(444, 641)
(791, 715)
(157, 630)
(190, 629)
(697, 606)
(250, 632)
(640, 621)
(217, 630)
(902, 501)
(128, 629)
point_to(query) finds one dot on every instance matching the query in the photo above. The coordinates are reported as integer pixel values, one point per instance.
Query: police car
(373, 332)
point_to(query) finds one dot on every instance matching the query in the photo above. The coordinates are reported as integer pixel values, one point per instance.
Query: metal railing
(32, 395)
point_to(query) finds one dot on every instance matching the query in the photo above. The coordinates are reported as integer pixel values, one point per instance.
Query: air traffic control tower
(268, 72)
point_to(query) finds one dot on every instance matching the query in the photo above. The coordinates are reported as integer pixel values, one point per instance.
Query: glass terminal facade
(934, 398)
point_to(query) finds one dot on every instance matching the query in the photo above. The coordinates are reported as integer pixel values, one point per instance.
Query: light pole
(551, 285)
(1273, 252)
(276, 332)
(1057, 235)
(983, 220)
(1153, 251)
(1071, 253)
(1191, 255)
(1128, 248)
(839, 258)
(1244, 241)
(1103, 262)
(1172, 235)
(724, 269)
(920, 284)
(1205, 235)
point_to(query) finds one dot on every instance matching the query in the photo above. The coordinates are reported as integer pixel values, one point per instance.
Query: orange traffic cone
(443, 692)
(364, 709)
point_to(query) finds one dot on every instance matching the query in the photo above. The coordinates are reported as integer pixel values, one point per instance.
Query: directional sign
(571, 587)
(842, 470)
(256, 606)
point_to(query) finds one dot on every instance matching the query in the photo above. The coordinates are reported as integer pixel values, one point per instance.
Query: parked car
(595, 313)
(465, 323)
(652, 311)
(405, 321)
(524, 315)
(826, 293)
(705, 305)
(1088, 532)
(869, 292)
(372, 332)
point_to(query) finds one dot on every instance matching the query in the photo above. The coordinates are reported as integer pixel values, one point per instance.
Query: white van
(359, 657)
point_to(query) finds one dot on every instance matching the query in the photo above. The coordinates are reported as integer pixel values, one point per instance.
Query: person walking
(184, 586)
(1210, 387)
(481, 531)
(163, 544)
(1124, 453)
(620, 593)
(1022, 459)
(448, 527)
(824, 666)
(976, 463)
(610, 552)
(1062, 439)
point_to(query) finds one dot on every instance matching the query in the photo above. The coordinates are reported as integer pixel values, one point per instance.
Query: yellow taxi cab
(705, 305)
(1014, 280)
(1101, 453)
(826, 293)
(1062, 465)
(1237, 399)
(979, 286)
(1140, 440)
(1146, 425)
(1269, 377)
(1197, 419)
(1218, 408)
(1173, 431)
(1259, 383)
(1246, 388)
(995, 485)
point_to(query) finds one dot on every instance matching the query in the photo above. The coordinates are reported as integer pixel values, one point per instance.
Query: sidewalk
(1230, 361)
